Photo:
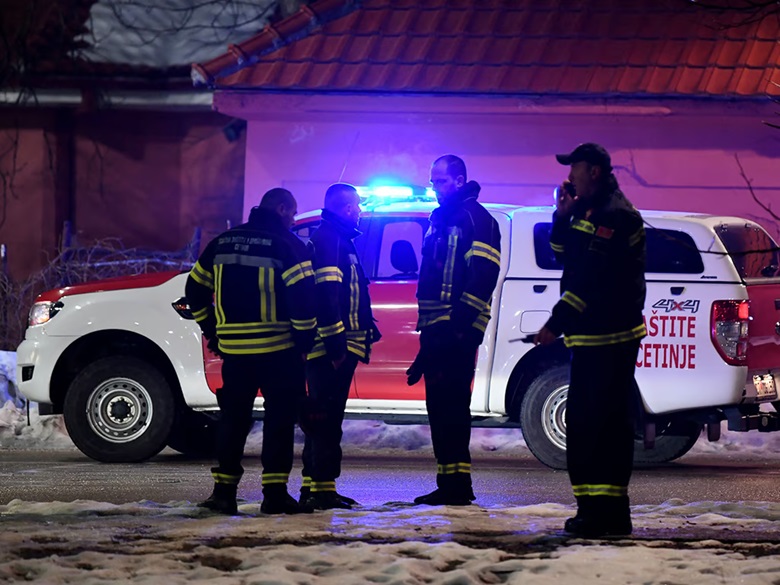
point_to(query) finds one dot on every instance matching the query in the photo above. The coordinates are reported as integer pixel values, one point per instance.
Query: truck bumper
(33, 372)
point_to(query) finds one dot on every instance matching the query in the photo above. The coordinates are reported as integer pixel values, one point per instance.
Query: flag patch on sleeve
(604, 232)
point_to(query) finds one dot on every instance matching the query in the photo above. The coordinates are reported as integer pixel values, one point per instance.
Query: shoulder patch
(604, 232)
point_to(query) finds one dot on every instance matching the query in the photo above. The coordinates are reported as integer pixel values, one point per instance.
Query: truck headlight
(41, 312)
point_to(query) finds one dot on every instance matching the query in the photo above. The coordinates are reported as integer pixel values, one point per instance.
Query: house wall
(27, 186)
(147, 179)
(671, 156)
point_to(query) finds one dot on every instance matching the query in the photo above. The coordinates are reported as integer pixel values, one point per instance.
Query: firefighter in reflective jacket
(252, 293)
(461, 258)
(599, 238)
(345, 332)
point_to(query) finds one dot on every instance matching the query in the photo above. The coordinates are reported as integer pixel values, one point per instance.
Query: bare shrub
(79, 264)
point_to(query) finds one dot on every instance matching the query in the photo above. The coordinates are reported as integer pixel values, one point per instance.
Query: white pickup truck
(125, 362)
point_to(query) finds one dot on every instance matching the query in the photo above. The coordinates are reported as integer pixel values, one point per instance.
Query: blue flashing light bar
(383, 194)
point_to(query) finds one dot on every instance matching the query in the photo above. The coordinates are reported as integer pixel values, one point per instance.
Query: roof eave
(272, 38)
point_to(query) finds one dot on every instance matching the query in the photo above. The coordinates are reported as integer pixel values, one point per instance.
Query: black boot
(328, 501)
(454, 490)
(600, 516)
(222, 499)
(276, 500)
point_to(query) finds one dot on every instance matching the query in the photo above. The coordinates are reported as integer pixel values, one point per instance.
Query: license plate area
(766, 386)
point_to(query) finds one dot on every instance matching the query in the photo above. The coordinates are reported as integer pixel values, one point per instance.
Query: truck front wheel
(119, 409)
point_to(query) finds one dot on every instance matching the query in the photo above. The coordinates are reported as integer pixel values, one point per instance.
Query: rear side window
(672, 252)
(668, 251)
(400, 249)
(753, 251)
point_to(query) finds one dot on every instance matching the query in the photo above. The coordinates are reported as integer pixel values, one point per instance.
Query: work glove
(416, 370)
(213, 346)
(376, 335)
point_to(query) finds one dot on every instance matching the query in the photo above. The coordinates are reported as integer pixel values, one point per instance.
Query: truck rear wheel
(543, 415)
(672, 442)
(543, 421)
(119, 409)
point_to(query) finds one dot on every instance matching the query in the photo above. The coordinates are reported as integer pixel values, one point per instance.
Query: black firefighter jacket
(602, 249)
(345, 321)
(461, 258)
(253, 288)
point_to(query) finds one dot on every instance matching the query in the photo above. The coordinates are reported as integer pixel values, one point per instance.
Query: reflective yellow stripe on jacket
(637, 332)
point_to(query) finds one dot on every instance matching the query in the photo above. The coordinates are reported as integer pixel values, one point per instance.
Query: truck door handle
(540, 288)
(677, 290)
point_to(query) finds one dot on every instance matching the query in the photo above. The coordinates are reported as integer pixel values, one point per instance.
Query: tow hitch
(763, 421)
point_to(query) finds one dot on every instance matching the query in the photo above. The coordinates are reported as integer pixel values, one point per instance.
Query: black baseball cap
(589, 152)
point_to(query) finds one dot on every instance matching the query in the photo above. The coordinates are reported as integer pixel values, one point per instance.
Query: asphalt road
(375, 479)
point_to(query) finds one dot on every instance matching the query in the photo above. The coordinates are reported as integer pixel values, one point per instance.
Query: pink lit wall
(673, 156)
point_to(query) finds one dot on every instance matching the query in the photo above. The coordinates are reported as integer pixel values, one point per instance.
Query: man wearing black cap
(599, 238)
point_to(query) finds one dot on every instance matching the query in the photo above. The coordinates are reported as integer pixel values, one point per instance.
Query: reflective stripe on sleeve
(297, 273)
(304, 324)
(202, 276)
(486, 251)
(584, 226)
(329, 330)
(576, 302)
(328, 274)
(474, 301)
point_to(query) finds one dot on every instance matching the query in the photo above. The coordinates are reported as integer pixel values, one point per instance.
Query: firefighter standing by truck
(345, 332)
(598, 236)
(252, 293)
(461, 258)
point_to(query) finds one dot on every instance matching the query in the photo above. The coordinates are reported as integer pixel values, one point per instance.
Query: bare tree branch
(749, 183)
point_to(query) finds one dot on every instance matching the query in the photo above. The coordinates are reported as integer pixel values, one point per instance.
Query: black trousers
(281, 378)
(448, 373)
(329, 390)
(600, 425)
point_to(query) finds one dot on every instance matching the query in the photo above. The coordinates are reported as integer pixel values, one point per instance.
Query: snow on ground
(144, 542)
(176, 542)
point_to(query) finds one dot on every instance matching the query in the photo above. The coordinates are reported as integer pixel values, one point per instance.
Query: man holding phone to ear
(599, 238)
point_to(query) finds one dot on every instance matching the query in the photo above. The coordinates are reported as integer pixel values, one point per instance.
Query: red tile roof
(504, 47)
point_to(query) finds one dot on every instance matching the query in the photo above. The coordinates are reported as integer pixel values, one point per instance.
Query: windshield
(754, 252)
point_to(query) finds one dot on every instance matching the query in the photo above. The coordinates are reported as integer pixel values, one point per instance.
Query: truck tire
(119, 409)
(543, 415)
(543, 421)
(193, 433)
(671, 442)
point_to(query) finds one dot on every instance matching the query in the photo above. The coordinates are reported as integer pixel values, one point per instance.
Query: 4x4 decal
(669, 305)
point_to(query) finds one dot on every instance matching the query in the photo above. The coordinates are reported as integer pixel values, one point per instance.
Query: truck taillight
(729, 330)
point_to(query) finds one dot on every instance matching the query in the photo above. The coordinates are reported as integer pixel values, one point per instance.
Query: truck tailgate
(764, 329)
